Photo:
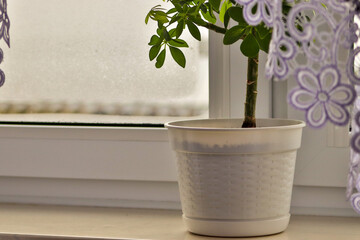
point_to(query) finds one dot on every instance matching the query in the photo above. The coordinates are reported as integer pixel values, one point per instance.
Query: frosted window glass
(93, 54)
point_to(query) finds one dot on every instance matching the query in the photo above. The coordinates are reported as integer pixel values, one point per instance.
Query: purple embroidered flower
(4, 22)
(355, 198)
(255, 11)
(322, 96)
(351, 181)
(355, 202)
(350, 35)
(354, 155)
(355, 142)
(355, 139)
(281, 50)
(1, 55)
(2, 78)
(352, 66)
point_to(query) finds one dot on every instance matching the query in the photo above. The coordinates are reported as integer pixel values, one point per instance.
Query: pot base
(236, 228)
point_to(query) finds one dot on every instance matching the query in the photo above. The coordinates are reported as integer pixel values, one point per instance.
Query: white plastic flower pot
(235, 182)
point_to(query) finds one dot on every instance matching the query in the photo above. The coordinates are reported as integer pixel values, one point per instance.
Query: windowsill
(60, 118)
(25, 222)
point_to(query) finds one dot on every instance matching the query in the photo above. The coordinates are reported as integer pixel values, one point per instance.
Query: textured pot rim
(288, 124)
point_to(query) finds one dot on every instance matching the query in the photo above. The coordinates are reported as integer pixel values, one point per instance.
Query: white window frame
(134, 167)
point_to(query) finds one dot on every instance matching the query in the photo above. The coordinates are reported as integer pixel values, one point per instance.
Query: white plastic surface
(220, 228)
(236, 177)
(227, 136)
(338, 136)
(235, 186)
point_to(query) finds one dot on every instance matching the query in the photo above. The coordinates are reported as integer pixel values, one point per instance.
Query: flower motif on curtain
(321, 37)
(4, 34)
(256, 11)
(351, 68)
(355, 140)
(355, 198)
(281, 49)
(312, 43)
(353, 183)
(4, 22)
(2, 75)
(354, 166)
(322, 96)
(353, 178)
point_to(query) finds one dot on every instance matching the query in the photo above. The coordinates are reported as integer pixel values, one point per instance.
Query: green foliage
(178, 56)
(233, 34)
(250, 46)
(160, 59)
(236, 13)
(194, 30)
(154, 51)
(189, 15)
(224, 8)
(215, 4)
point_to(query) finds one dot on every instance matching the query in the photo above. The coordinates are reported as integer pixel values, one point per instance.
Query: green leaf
(147, 17)
(264, 43)
(208, 17)
(154, 40)
(248, 30)
(160, 59)
(226, 19)
(175, 18)
(250, 47)
(215, 4)
(157, 7)
(159, 32)
(166, 35)
(194, 30)
(154, 50)
(159, 16)
(178, 43)
(178, 56)
(203, 7)
(178, 7)
(172, 32)
(225, 6)
(236, 13)
(262, 30)
(233, 34)
(179, 28)
(172, 10)
(193, 10)
(196, 20)
(211, 10)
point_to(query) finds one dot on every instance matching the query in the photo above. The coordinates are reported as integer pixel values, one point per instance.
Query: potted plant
(235, 176)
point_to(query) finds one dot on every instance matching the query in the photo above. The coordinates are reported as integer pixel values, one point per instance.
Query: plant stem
(251, 92)
(212, 27)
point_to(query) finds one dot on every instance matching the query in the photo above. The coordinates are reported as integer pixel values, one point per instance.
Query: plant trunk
(251, 92)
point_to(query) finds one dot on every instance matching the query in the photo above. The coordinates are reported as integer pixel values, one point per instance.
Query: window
(91, 57)
(134, 167)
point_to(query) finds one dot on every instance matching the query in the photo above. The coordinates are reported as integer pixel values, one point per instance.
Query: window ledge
(40, 222)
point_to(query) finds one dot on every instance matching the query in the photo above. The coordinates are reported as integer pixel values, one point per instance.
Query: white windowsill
(30, 222)
(60, 118)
